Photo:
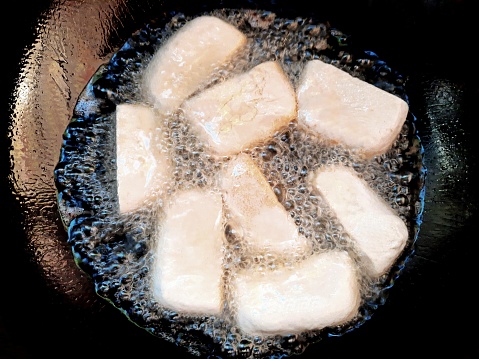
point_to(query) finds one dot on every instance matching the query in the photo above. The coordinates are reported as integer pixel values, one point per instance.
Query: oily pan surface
(117, 251)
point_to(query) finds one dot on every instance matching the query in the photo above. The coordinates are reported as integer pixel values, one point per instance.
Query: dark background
(432, 308)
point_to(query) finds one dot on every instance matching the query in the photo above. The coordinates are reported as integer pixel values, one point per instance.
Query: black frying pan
(48, 306)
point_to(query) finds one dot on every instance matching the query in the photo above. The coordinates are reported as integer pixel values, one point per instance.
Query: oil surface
(117, 250)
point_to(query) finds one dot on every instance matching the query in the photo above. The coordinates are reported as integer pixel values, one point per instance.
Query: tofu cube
(142, 165)
(186, 61)
(322, 291)
(379, 233)
(244, 110)
(348, 111)
(188, 266)
(264, 222)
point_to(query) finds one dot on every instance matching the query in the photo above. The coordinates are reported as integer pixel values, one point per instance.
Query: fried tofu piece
(379, 233)
(142, 166)
(264, 223)
(348, 111)
(188, 266)
(321, 291)
(185, 62)
(244, 110)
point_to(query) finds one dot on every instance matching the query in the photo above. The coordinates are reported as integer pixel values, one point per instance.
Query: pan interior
(116, 249)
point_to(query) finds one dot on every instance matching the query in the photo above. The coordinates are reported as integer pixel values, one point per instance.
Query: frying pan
(51, 48)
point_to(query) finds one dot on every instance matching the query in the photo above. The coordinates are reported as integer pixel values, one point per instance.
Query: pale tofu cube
(186, 61)
(348, 111)
(142, 165)
(378, 232)
(263, 221)
(244, 110)
(188, 266)
(321, 291)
